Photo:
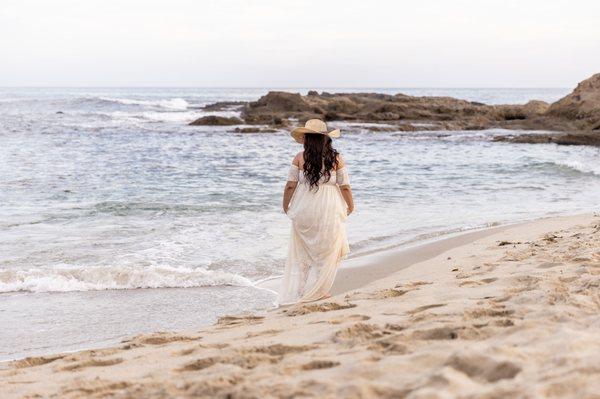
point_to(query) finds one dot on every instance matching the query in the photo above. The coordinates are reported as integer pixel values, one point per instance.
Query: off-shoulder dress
(318, 239)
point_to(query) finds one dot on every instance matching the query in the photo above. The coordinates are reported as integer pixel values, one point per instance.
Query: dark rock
(253, 130)
(525, 138)
(214, 120)
(580, 138)
(280, 101)
(582, 105)
(521, 112)
(265, 119)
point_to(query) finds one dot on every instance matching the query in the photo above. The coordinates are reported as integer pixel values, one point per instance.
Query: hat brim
(299, 132)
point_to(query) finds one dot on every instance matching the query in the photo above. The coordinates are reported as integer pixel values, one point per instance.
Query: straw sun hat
(315, 126)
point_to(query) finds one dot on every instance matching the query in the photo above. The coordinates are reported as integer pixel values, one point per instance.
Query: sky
(279, 43)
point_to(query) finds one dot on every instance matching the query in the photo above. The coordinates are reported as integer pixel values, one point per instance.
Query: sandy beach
(507, 312)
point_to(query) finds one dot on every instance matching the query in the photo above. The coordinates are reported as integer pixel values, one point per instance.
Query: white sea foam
(579, 166)
(178, 104)
(149, 116)
(184, 117)
(64, 279)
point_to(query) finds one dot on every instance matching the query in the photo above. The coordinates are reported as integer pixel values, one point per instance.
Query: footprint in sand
(524, 283)
(160, 338)
(97, 388)
(248, 358)
(381, 294)
(471, 283)
(503, 323)
(35, 361)
(388, 293)
(189, 351)
(423, 308)
(357, 333)
(476, 331)
(319, 307)
(439, 333)
(263, 333)
(488, 280)
(92, 363)
(487, 312)
(548, 265)
(390, 345)
(229, 321)
(483, 368)
(413, 284)
(395, 327)
(516, 256)
(185, 352)
(320, 364)
(551, 238)
(343, 319)
(279, 349)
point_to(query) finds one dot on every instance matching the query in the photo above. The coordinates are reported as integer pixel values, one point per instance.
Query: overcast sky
(314, 43)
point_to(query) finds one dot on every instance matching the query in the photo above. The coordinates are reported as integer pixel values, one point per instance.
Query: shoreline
(511, 313)
(354, 274)
(357, 272)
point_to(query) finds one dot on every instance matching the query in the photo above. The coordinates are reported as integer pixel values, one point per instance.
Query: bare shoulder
(298, 158)
(341, 161)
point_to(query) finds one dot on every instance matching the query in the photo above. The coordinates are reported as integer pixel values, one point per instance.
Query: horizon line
(284, 87)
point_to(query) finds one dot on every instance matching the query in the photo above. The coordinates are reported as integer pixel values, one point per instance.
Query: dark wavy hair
(320, 158)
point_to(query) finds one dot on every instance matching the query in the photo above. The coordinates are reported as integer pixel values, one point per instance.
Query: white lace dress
(318, 239)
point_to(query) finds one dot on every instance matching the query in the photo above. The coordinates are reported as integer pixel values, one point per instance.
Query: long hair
(320, 158)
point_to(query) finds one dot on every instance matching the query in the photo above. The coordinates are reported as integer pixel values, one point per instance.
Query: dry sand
(514, 313)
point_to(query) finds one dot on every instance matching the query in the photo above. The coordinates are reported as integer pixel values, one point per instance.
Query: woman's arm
(347, 194)
(345, 186)
(292, 182)
(288, 191)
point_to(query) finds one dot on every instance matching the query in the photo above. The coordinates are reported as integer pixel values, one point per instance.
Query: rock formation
(213, 120)
(578, 113)
(579, 138)
(581, 106)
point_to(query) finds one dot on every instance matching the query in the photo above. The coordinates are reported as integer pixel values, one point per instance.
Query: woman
(318, 199)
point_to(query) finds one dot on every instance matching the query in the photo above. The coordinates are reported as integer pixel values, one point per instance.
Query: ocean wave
(578, 166)
(153, 116)
(65, 279)
(175, 104)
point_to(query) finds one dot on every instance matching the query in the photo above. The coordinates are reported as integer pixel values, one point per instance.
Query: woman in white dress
(318, 199)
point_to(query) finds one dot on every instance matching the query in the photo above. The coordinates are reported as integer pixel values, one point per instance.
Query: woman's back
(337, 176)
(317, 199)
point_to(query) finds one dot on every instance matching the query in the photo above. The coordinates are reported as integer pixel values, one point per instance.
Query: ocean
(117, 218)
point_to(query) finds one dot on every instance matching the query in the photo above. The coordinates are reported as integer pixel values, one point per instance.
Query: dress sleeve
(294, 173)
(342, 177)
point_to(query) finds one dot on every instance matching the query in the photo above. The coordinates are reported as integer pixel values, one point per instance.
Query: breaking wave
(64, 279)
(578, 166)
(176, 104)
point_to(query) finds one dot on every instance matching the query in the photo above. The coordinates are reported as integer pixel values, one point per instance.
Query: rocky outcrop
(253, 130)
(581, 106)
(214, 120)
(579, 138)
(577, 113)
(521, 112)
(441, 112)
